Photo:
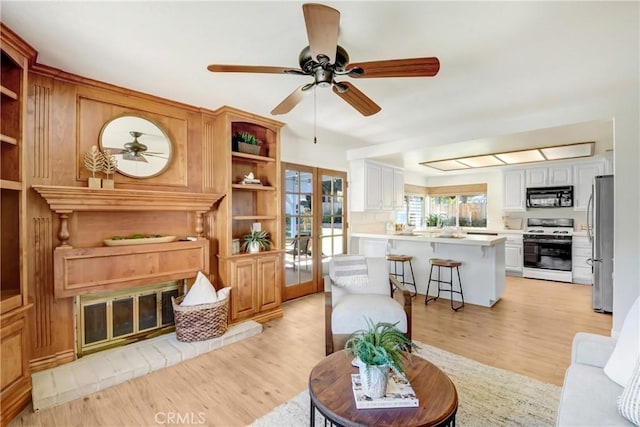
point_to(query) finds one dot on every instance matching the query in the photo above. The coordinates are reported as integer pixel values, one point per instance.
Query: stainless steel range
(547, 249)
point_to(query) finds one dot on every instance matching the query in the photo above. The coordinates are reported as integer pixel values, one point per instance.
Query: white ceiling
(507, 68)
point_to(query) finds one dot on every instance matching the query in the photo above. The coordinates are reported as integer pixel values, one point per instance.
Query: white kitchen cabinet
(581, 252)
(583, 174)
(549, 176)
(375, 186)
(536, 177)
(514, 190)
(398, 191)
(513, 253)
(387, 190)
(372, 186)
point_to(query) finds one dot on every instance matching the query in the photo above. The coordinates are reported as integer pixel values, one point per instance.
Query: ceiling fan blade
(115, 150)
(217, 68)
(357, 99)
(411, 67)
(155, 155)
(132, 157)
(291, 101)
(322, 30)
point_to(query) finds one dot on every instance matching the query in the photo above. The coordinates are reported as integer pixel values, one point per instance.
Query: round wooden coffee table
(331, 394)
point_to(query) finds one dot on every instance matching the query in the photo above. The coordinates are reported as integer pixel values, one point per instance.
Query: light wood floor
(529, 331)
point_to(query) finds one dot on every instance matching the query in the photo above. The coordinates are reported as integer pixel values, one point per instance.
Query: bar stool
(449, 263)
(402, 259)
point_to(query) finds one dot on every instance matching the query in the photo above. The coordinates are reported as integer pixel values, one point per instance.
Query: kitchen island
(482, 271)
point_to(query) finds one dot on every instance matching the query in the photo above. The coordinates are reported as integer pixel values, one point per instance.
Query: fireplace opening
(111, 319)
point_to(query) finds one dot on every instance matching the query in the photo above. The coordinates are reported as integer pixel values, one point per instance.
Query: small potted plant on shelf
(247, 143)
(256, 241)
(377, 349)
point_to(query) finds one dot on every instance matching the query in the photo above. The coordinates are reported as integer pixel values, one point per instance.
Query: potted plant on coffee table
(256, 241)
(377, 349)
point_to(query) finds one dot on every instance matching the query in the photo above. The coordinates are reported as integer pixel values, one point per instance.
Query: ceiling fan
(135, 150)
(325, 60)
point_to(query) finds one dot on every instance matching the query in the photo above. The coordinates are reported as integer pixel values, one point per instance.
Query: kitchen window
(469, 210)
(457, 206)
(412, 212)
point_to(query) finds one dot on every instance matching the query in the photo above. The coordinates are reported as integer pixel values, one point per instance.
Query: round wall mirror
(141, 148)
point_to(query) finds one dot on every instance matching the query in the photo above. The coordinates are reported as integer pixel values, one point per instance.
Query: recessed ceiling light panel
(446, 165)
(516, 157)
(568, 151)
(559, 152)
(481, 161)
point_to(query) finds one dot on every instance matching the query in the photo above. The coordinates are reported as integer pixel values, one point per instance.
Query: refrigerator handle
(590, 218)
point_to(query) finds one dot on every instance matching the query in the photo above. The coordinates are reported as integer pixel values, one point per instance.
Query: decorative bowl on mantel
(143, 240)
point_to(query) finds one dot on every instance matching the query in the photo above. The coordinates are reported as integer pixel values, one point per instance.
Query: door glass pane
(147, 311)
(332, 219)
(298, 226)
(122, 317)
(95, 322)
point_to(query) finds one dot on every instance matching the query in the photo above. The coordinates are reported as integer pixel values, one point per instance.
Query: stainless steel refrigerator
(600, 231)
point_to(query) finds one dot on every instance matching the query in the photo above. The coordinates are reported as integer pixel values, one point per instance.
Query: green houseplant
(379, 348)
(256, 241)
(247, 143)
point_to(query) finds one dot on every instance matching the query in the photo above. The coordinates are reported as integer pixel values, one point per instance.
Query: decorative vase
(254, 247)
(95, 182)
(374, 380)
(243, 147)
(108, 183)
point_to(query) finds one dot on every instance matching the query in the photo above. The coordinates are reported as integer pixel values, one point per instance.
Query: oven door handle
(556, 242)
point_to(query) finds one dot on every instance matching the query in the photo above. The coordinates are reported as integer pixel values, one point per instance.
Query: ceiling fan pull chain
(315, 116)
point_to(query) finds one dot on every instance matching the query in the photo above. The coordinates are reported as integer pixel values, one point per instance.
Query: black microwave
(550, 197)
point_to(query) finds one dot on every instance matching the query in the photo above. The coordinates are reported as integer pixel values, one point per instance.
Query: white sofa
(589, 397)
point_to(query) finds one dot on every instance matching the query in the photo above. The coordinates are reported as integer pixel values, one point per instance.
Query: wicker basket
(200, 322)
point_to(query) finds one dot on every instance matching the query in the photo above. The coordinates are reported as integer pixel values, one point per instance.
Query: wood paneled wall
(65, 116)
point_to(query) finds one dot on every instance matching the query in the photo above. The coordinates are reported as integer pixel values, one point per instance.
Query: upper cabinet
(549, 176)
(375, 186)
(514, 190)
(580, 174)
(583, 175)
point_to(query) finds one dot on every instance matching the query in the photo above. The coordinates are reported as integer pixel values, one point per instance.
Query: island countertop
(468, 240)
(482, 260)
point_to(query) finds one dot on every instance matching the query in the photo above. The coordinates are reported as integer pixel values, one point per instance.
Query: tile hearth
(98, 371)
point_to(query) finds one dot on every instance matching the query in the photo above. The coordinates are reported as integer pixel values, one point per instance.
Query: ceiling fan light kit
(325, 60)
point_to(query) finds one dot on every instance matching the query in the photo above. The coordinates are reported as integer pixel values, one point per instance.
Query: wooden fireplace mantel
(79, 271)
(66, 200)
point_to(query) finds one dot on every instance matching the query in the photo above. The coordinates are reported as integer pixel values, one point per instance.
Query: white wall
(327, 153)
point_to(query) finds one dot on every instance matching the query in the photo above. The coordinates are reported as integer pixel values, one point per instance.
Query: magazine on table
(399, 394)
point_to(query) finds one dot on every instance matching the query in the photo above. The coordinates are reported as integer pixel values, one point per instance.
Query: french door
(315, 226)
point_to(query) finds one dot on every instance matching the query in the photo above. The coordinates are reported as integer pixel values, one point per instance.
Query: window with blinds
(413, 211)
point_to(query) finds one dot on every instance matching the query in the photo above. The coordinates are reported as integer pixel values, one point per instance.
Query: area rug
(487, 396)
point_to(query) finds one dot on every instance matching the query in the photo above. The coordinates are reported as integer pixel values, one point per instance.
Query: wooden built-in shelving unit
(15, 305)
(257, 278)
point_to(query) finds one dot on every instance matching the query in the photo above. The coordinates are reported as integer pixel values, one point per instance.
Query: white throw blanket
(349, 270)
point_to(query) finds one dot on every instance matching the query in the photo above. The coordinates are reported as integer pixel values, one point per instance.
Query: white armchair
(348, 308)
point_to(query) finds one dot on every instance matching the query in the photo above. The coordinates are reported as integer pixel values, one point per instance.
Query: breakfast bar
(482, 271)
